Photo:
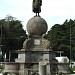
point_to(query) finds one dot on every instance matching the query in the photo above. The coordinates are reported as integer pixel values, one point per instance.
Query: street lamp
(1, 43)
(70, 47)
(70, 43)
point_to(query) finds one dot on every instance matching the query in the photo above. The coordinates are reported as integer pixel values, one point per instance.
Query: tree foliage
(12, 34)
(62, 37)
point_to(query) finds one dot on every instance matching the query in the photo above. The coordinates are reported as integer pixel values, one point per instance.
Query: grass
(73, 69)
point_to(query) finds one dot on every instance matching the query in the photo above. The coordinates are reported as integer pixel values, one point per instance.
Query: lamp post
(70, 48)
(1, 43)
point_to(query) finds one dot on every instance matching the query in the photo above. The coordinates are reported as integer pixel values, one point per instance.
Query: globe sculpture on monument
(37, 26)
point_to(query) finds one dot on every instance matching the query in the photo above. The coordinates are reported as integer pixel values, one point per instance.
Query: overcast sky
(53, 11)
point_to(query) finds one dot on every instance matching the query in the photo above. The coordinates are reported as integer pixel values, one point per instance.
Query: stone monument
(36, 57)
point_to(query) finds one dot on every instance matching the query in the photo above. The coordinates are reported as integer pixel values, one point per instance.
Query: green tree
(62, 37)
(13, 34)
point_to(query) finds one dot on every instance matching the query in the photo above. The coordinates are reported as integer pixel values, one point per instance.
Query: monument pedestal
(36, 57)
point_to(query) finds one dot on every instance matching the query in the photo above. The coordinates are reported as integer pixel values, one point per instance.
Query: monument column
(42, 68)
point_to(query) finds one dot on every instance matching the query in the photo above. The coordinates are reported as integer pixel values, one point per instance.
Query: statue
(37, 6)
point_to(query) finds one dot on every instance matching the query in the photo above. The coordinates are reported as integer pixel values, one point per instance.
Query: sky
(53, 11)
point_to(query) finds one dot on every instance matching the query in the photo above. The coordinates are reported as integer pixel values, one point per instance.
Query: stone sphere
(37, 26)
